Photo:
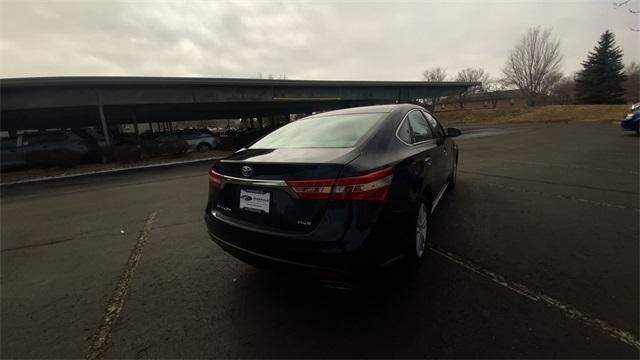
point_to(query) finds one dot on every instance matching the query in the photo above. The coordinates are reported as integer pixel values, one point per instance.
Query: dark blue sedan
(341, 191)
(632, 122)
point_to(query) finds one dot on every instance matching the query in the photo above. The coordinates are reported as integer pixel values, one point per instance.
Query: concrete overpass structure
(70, 102)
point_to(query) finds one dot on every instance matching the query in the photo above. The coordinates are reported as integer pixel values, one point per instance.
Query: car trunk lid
(254, 190)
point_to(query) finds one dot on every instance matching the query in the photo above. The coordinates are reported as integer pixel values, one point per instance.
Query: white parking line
(569, 166)
(565, 309)
(559, 196)
(540, 181)
(102, 338)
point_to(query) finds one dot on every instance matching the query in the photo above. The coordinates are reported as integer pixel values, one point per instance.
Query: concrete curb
(109, 171)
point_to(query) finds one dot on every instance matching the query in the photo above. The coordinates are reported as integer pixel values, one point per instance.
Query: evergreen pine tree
(601, 79)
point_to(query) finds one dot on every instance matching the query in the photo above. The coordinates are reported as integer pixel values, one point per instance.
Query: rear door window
(404, 132)
(420, 127)
(435, 125)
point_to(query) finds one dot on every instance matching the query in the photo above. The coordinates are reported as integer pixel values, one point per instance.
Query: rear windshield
(332, 131)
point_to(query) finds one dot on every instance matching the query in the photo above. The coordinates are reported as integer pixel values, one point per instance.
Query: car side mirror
(453, 132)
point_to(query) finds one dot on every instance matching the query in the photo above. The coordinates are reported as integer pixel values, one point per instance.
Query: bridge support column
(135, 123)
(105, 128)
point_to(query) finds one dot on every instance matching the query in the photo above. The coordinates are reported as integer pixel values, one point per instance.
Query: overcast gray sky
(354, 40)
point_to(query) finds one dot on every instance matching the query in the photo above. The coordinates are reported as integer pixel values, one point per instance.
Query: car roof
(369, 109)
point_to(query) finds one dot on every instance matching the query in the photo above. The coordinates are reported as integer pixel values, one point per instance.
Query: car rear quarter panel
(411, 180)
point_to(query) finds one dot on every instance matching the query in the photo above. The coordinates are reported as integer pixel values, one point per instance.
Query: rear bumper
(306, 252)
(271, 262)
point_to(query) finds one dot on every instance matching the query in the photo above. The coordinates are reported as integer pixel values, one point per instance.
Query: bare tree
(272, 77)
(471, 75)
(564, 90)
(433, 74)
(632, 84)
(632, 68)
(492, 89)
(534, 64)
(632, 11)
(623, 3)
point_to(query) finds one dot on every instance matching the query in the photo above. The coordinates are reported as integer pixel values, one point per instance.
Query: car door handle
(427, 160)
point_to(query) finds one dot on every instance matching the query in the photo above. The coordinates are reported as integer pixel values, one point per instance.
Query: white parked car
(197, 141)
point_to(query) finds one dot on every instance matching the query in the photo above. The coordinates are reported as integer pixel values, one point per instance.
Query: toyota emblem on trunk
(247, 171)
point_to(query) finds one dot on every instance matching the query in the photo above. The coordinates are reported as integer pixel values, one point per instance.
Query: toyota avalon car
(346, 190)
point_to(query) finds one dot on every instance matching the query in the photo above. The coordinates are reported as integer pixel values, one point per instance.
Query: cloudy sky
(352, 40)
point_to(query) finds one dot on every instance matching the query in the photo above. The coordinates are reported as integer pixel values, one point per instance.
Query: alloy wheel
(454, 177)
(421, 231)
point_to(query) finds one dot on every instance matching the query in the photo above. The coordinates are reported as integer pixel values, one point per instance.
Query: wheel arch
(427, 194)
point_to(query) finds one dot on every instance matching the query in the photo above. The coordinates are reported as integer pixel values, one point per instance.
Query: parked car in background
(93, 136)
(198, 141)
(238, 138)
(338, 192)
(97, 140)
(632, 121)
(47, 148)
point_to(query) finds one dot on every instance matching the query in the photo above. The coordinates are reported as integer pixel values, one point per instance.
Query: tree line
(533, 67)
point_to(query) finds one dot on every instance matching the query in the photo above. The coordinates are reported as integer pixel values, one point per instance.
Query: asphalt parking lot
(535, 254)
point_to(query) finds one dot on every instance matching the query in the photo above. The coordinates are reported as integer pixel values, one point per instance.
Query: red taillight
(312, 189)
(372, 186)
(215, 179)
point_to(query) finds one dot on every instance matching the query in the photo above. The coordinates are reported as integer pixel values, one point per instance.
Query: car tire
(417, 243)
(203, 147)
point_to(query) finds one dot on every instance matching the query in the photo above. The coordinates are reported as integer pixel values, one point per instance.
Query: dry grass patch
(548, 113)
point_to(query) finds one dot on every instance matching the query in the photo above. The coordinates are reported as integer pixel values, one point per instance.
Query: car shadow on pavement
(286, 315)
